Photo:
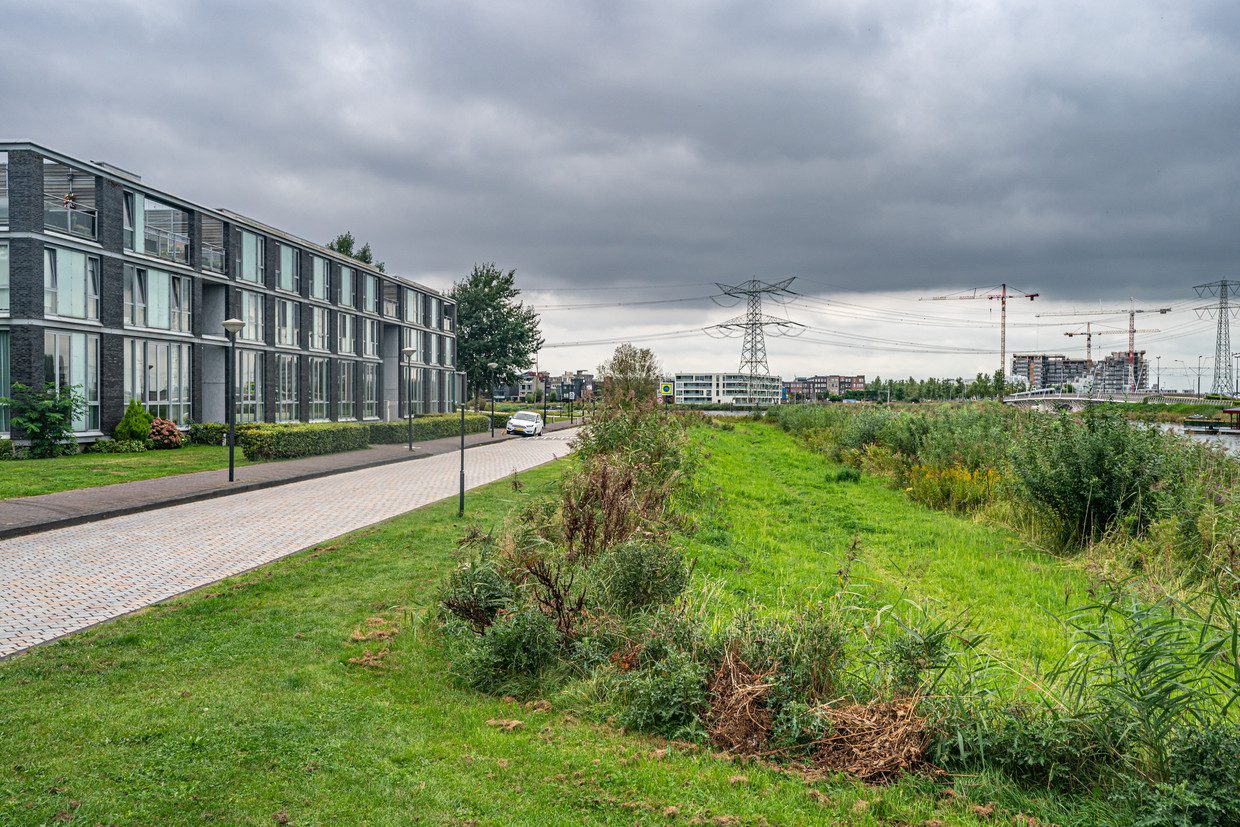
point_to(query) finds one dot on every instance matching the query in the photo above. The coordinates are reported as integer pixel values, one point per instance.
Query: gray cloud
(1083, 150)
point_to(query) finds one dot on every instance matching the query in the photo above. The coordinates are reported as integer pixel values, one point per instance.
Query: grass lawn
(30, 477)
(239, 703)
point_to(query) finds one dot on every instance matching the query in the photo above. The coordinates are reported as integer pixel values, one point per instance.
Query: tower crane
(1001, 295)
(1132, 312)
(1089, 335)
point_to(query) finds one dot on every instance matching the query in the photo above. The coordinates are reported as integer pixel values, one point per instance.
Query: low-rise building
(820, 387)
(726, 389)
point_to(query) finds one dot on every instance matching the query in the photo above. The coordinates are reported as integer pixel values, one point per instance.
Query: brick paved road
(66, 579)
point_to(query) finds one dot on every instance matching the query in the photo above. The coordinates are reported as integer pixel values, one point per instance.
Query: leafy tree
(492, 325)
(345, 244)
(45, 416)
(631, 374)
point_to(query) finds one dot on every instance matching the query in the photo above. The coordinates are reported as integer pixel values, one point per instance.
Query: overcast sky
(880, 152)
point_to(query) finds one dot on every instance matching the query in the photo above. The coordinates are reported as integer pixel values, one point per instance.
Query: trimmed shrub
(6, 449)
(115, 446)
(430, 426)
(164, 435)
(135, 425)
(45, 416)
(207, 433)
(289, 441)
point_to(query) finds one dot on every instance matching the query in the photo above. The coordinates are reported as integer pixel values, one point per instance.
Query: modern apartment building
(725, 389)
(1048, 370)
(1109, 376)
(815, 388)
(120, 290)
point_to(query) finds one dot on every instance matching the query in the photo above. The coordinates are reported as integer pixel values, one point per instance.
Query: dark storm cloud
(1084, 150)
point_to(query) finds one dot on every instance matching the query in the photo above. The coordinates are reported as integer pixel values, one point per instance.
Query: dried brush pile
(874, 742)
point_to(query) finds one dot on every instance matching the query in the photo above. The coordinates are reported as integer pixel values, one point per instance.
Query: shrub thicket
(207, 433)
(289, 441)
(45, 417)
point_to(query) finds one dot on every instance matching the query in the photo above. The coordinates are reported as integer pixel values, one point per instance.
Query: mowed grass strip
(32, 477)
(249, 702)
(783, 529)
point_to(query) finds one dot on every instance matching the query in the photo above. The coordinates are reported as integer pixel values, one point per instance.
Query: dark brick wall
(269, 386)
(26, 356)
(110, 206)
(111, 293)
(25, 191)
(25, 278)
(112, 380)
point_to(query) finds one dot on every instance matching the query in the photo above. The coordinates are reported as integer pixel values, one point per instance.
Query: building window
(288, 323)
(347, 338)
(347, 296)
(286, 388)
(253, 248)
(213, 244)
(320, 279)
(68, 200)
(413, 306)
(411, 381)
(4, 203)
(157, 374)
(157, 299)
(370, 337)
(347, 390)
(370, 297)
(318, 388)
(5, 390)
(249, 390)
(318, 328)
(252, 315)
(391, 299)
(290, 269)
(409, 339)
(71, 360)
(370, 391)
(449, 352)
(156, 229)
(4, 278)
(70, 284)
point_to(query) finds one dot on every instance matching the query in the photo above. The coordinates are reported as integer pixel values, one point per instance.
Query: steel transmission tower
(752, 325)
(1224, 376)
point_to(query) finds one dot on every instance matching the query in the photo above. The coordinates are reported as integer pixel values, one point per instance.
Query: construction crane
(1132, 312)
(1089, 335)
(1001, 295)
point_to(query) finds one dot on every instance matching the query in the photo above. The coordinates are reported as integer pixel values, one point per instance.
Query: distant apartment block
(725, 389)
(119, 289)
(1109, 376)
(1048, 370)
(815, 388)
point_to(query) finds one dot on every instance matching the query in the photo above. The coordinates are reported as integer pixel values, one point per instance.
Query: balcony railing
(68, 217)
(166, 244)
(212, 257)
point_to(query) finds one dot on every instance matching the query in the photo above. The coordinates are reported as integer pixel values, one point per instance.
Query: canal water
(1230, 442)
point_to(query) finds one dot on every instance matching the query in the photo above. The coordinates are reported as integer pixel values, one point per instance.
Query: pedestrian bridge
(1052, 400)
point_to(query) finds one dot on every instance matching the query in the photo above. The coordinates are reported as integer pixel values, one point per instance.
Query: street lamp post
(491, 366)
(546, 388)
(408, 353)
(1198, 377)
(460, 506)
(232, 327)
(1158, 360)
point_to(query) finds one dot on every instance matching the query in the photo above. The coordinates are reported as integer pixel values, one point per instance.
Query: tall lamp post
(231, 328)
(408, 353)
(546, 388)
(491, 366)
(460, 379)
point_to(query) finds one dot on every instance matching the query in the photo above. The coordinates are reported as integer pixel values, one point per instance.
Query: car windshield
(525, 417)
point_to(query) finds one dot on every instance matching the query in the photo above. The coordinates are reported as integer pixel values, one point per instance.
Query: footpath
(28, 515)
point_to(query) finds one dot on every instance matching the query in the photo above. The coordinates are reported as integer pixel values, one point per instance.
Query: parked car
(525, 422)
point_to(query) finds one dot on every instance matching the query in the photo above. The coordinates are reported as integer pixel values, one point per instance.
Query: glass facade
(319, 384)
(288, 323)
(253, 250)
(318, 328)
(290, 269)
(71, 360)
(157, 299)
(286, 388)
(157, 374)
(346, 335)
(4, 193)
(5, 388)
(370, 337)
(156, 229)
(347, 390)
(70, 284)
(370, 391)
(320, 279)
(348, 297)
(252, 315)
(4, 277)
(249, 386)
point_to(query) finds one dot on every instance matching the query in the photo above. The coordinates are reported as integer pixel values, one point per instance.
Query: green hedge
(431, 426)
(288, 441)
(265, 440)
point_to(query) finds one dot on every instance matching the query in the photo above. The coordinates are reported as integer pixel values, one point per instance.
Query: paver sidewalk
(59, 581)
(26, 515)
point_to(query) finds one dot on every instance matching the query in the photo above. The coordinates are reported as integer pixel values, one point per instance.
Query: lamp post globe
(407, 353)
(232, 327)
(491, 366)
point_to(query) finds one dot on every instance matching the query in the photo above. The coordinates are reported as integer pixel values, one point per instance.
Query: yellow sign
(665, 389)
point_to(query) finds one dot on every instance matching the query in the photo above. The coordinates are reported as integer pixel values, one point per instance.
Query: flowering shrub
(165, 434)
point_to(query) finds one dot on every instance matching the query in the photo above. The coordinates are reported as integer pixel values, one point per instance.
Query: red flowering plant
(165, 434)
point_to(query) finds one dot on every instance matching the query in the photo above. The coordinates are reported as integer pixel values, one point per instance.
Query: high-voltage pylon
(752, 325)
(1224, 377)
